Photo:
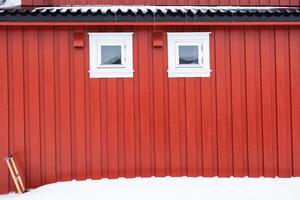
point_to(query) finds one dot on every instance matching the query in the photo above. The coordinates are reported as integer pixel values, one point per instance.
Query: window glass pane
(188, 54)
(111, 55)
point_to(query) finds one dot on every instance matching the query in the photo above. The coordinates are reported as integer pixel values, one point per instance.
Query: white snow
(167, 189)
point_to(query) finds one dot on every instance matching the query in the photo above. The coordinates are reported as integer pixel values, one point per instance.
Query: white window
(111, 55)
(188, 54)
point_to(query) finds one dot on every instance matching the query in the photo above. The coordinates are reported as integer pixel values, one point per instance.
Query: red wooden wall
(61, 125)
(163, 2)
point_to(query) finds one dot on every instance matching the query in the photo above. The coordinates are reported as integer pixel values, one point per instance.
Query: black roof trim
(149, 13)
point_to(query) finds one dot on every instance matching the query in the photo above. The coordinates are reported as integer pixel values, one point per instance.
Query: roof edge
(150, 14)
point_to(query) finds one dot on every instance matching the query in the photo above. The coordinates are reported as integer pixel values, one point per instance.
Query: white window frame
(200, 39)
(123, 70)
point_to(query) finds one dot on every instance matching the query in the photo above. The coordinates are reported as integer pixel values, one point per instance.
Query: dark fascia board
(147, 17)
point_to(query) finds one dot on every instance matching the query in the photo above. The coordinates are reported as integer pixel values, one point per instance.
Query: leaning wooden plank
(11, 170)
(17, 174)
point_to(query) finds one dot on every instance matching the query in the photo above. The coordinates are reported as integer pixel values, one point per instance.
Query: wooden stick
(11, 170)
(18, 175)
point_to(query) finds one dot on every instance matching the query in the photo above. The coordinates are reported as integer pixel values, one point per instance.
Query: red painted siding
(164, 2)
(61, 125)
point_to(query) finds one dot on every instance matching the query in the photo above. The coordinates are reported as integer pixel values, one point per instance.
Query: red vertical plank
(210, 2)
(228, 102)
(214, 109)
(49, 103)
(221, 2)
(71, 2)
(95, 2)
(79, 95)
(159, 112)
(27, 2)
(151, 103)
(174, 128)
(274, 2)
(199, 133)
(238, 100)
(95, 123)
(64, 103)
(295, 96)
(103, 127)
(93, 120)
(208, 115)
(72, 105)
(87, 103)
(264, 2)
(234, 2)
(191, 136)
(4, 111)
(58, 167)
(283, 2)
(95, 128)
(26, 110)
(10, 97)
(166, 106)
(144, 104)
(213, 101)
(42, 102)
(17, 137)
(207, 132)
(283, 102)
(201, 2)
(129, 128)
(223, 103)
(254, 2)
(244, 2)
(294, 2)
(136, 83)
(182, 126)
(33, 107)
(254, 126)
(112, 130)
(121, 116)
(36, 2)
(268, 102)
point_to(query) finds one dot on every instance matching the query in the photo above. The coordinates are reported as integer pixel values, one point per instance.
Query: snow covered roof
(150, 13)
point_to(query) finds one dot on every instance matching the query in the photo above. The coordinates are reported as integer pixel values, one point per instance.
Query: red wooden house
(163, 88)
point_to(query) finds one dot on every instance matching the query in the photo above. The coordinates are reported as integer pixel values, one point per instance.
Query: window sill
(103, 73)
(189, 73)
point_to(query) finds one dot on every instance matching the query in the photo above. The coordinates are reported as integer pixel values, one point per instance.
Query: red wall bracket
(157, 39)
(78, 39)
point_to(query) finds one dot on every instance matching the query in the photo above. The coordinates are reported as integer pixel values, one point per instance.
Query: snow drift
(167, 189)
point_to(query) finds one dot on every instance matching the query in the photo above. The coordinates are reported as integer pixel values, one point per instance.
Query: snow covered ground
(167, 189)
